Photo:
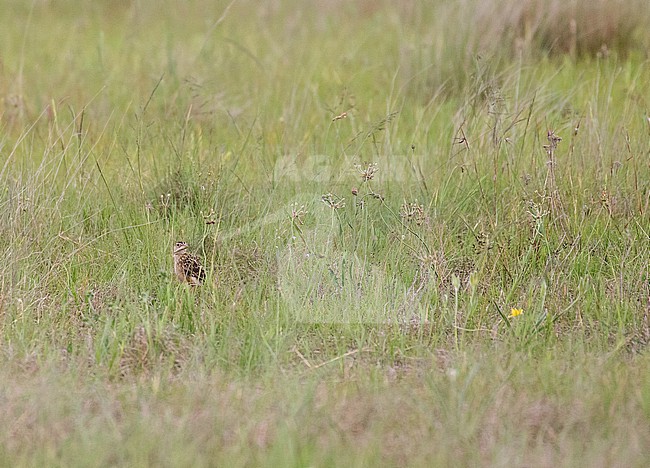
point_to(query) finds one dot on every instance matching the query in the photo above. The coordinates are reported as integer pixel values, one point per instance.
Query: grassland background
(374, 331)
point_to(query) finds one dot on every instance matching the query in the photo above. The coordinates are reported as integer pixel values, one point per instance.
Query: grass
(373, 187)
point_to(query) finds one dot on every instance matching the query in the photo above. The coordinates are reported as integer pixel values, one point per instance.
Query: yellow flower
(515, 312)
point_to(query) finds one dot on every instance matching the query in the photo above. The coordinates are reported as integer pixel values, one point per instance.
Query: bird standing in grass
(187, 267)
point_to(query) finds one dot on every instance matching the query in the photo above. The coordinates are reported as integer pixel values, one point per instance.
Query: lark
(187, 266)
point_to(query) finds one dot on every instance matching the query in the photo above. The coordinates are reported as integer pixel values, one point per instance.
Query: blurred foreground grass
(374, 187)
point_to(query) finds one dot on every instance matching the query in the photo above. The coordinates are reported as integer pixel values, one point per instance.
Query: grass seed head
(367, 171)
(333, 201)
(298, 213)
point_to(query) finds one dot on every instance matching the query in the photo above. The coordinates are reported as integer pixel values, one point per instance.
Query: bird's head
(180, 247)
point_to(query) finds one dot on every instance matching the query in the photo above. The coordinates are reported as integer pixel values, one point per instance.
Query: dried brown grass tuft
(147, 349)
(576, 27)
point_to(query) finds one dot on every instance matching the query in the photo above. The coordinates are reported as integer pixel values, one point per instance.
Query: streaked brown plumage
(187, 267)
